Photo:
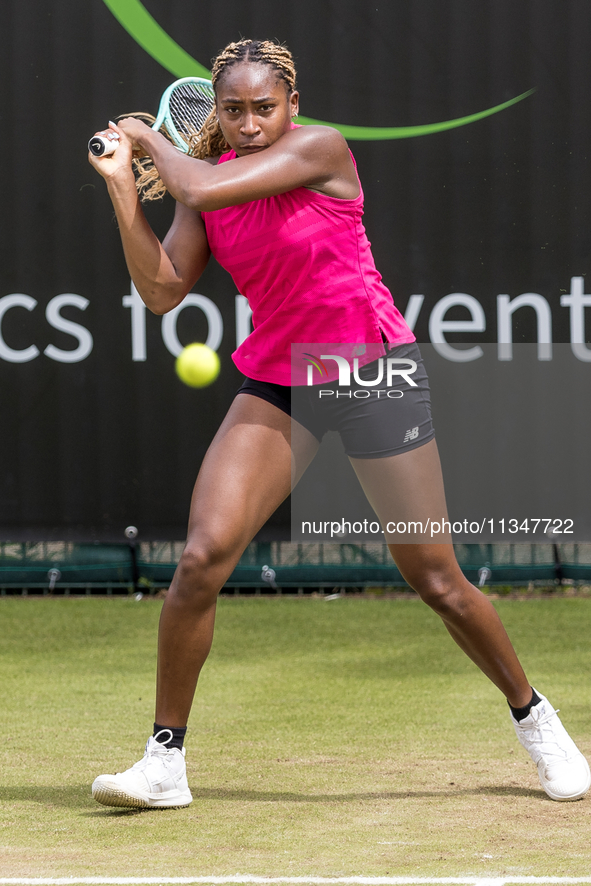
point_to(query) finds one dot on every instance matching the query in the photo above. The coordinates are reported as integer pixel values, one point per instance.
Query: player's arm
(316, 157)
(163, 273)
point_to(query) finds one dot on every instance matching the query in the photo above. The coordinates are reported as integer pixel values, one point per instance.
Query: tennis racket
(184, 108)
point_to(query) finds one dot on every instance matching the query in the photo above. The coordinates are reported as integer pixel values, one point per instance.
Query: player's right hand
(112, 164)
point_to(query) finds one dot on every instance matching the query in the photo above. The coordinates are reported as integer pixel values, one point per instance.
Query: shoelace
(546, 736)
(153, 749)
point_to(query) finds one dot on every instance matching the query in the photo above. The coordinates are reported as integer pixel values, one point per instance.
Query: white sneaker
(562, 769)
(159, 779)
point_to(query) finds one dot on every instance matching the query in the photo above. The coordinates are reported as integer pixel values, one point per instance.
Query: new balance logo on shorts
(411, 434)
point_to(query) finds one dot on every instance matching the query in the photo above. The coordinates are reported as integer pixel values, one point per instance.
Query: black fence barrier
(53, 567)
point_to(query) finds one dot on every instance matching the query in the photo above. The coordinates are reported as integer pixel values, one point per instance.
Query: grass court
(329, 739)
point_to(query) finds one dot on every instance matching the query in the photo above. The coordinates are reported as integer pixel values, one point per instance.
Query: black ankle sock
(521, 713)
(177, 739)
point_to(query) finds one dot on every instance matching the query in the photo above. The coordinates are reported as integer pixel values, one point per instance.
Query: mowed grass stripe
(263, 881)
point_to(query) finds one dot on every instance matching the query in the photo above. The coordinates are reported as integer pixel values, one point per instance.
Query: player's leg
(245, 475)
(409, 487)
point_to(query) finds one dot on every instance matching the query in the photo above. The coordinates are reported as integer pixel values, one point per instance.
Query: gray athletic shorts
(373, 422)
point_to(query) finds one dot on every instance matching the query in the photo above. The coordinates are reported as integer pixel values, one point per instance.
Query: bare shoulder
(327, 150)
(316, 137)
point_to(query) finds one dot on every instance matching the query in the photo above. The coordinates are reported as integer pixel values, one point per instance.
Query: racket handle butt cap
(101, 146)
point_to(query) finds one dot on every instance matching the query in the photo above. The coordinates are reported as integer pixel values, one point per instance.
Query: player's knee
(200, 572)
(440, 590)
(195, 561)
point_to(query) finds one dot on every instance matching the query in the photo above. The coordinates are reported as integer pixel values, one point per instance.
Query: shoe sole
(111, 795)
(561, 798)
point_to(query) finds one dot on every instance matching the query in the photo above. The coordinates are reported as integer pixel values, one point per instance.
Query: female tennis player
(280, 207)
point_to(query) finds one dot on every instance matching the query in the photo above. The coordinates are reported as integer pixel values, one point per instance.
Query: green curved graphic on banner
(375, 133)
(146, 31)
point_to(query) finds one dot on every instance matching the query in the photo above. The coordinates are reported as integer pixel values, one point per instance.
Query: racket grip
(101, 146)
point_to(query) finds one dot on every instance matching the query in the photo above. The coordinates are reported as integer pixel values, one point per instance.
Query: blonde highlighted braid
(210, 141)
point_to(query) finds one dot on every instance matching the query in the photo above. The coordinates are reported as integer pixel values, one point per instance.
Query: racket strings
(189, 107)
(184, 108)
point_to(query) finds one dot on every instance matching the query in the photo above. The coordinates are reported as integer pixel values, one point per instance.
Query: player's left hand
(134, 129)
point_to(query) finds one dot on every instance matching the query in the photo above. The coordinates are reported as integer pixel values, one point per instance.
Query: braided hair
(210, 141)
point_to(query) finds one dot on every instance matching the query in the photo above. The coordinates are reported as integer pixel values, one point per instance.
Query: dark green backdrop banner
(478, 193)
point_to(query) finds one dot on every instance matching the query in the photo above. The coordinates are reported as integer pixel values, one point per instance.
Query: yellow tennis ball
(197, 365)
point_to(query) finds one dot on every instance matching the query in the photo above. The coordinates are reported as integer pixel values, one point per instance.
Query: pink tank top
(304, 263)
